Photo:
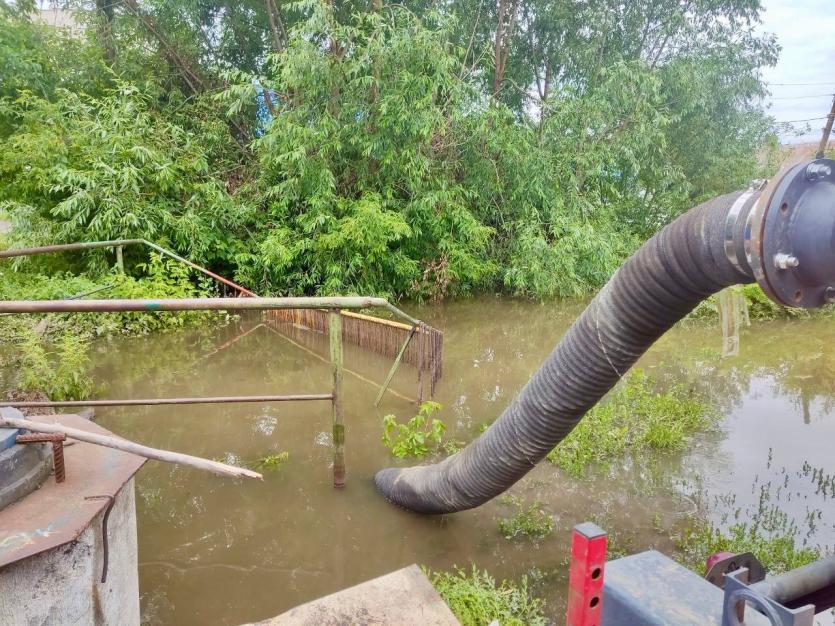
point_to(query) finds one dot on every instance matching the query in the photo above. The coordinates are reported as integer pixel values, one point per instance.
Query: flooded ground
(217, 551)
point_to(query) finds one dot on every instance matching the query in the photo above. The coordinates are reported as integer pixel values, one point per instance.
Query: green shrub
(476, 599)
(49, 353)
(83, 168)
(418, 436)
(633, 418)
(60, 373)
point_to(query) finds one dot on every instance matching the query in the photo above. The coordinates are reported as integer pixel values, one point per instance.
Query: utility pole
(826, 130)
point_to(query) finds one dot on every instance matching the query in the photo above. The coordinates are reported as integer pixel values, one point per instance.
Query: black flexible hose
(660, 284)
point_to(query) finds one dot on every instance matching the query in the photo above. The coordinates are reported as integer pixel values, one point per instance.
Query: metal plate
(57, 514)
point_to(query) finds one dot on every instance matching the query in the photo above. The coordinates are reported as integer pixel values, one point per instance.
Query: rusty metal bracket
(57, 441)
(105, 546)
(722, 563)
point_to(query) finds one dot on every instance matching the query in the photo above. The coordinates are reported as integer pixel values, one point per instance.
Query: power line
(801, 84)
(811, 119)
(819, 95)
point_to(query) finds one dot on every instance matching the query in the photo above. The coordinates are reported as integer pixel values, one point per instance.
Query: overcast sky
(806, 31)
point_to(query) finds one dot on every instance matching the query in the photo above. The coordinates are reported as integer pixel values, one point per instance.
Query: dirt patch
(15, 395)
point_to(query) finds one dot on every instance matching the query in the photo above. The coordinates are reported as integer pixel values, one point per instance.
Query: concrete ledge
(405, 597)
(56, 514)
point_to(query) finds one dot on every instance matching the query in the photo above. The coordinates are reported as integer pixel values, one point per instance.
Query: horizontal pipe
(119, 243)
(159, 401)
(68, 247)
(799, 583)
(190, 304)
(125, 445)
(115, 243)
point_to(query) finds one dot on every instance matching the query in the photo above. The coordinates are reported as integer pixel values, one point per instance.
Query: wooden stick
(394, 366)
(128, 446)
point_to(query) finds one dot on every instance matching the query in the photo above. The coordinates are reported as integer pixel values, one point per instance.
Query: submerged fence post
(421, 350)
(335, 337)
(120, 260)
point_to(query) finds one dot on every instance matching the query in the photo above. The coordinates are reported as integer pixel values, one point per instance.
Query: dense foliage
(407, 150)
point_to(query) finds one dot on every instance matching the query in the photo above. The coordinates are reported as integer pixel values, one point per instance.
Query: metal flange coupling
(790, 237)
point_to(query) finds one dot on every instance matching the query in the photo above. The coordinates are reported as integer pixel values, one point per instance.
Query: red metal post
(585, 576)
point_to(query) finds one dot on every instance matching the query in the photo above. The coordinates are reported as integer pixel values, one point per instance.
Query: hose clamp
(732, 219)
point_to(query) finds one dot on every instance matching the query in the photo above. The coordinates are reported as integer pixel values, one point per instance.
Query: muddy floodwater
(219, 551)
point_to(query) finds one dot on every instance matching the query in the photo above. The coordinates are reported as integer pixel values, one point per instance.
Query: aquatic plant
(416, 437)
(769, 535)
(533, 522)
(633, 419)
(270, 461)
(476, 599)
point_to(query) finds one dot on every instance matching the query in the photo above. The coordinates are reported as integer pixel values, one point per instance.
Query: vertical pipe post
(120, 260)
(421, 349)
(335, 337)
(585, 575)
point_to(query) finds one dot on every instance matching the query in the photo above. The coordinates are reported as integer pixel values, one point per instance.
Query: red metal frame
(585, 577)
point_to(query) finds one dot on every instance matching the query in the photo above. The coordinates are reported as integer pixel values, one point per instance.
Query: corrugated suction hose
(660, 284)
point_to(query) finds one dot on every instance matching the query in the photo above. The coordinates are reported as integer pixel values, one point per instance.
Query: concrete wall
(63, 586)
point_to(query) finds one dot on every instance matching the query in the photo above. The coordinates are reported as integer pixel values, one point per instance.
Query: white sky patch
(805, 30)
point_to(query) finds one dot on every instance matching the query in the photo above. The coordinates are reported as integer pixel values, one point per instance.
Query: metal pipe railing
(200, 304)
(333, 305)
(164, 401)
(119, 244)
(813, 583)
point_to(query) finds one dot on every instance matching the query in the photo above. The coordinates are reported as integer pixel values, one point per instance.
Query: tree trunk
(505, 24)
(276, 26)
(105, 17)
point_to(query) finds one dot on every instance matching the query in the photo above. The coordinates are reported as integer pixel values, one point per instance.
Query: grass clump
(767, 532)
(418, 436)
(477, 600)
(778, 553)
(635, 418)
(533, 522)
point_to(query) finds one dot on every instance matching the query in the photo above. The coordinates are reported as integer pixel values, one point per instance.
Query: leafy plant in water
(415, 438)
(533, 522)
(633, 419)
(476, 599)
(270, 461)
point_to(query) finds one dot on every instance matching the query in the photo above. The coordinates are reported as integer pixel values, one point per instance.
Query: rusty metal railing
(119, 244)
(332, 304)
